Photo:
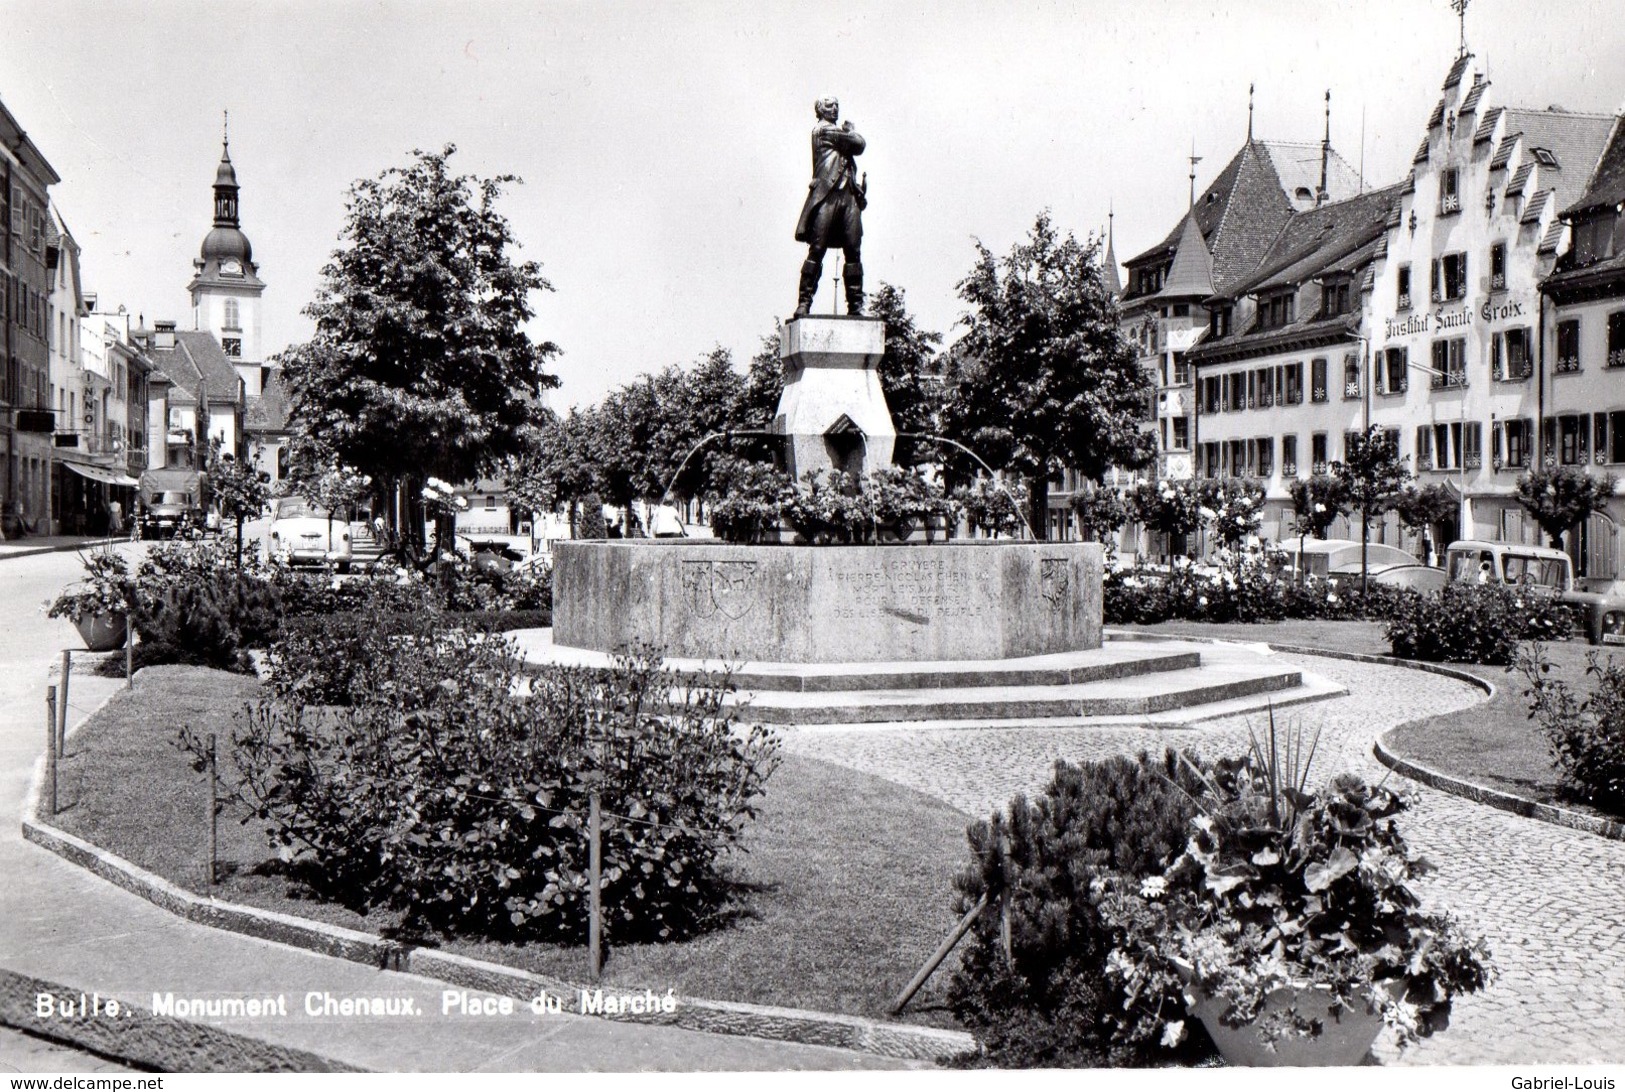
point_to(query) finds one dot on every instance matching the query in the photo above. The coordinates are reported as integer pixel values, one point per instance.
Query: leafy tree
(1374, 474)
(420, 364)
(1422, 508)
(1318, 501)
(1043, 380)
(764, 383)
(1234, 507)
(1561, 497)
(907, 374)
(1172, 507)
(1101, 512)
(239, 490)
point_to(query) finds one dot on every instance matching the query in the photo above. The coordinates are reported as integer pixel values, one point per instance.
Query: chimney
(90, 301)
(163, 333)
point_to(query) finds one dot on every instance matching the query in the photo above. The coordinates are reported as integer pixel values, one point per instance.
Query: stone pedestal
(833, 413)
(829, 604)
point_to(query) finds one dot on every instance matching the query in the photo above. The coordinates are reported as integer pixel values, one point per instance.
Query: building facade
(27, 416)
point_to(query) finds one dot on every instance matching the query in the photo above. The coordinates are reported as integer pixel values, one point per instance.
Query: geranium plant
(1285, 889)
(829, 506)
(106, 588)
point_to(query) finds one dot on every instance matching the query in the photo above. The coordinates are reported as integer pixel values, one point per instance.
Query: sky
(663, 147)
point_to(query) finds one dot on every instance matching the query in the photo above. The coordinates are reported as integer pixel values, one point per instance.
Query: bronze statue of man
(833, 213)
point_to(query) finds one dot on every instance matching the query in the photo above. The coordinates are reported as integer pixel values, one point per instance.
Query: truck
(1600, 618)
(174, 502)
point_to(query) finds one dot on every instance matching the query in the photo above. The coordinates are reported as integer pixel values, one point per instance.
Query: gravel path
(1550, 901)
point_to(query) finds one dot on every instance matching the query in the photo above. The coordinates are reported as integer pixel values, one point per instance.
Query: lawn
(1493, 743)
(849, 876)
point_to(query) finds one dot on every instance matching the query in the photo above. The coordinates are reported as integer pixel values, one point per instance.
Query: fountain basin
(829, 604)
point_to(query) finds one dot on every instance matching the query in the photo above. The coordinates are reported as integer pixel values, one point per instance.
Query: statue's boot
(809, 287)
(853, 274)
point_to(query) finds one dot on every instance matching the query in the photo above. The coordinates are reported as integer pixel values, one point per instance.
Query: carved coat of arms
(1054, 580)
(727, 588)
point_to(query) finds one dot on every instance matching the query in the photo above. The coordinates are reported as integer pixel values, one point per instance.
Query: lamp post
(1461, 459)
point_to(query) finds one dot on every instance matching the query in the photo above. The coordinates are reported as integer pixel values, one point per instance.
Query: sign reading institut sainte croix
(1442, 320)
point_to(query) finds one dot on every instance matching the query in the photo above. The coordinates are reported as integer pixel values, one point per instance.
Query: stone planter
(1345, 1038)
(102, 632)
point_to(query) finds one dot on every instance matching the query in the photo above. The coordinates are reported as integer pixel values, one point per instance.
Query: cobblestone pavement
(1550, 901)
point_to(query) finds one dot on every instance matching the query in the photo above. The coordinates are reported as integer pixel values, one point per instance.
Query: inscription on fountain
(917, 589)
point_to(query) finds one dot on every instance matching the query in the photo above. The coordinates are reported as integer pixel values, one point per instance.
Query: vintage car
(1601, 618)
(303, 534)
(1338, 560)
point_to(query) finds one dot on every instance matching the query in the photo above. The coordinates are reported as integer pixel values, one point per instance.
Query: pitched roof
(1554, 235)
(1519, 177)
(1486, 124)
(198, 356)
(1576, 141)
(1537, 205)
(1336, 237)
(1457, 70)
(1110, 277)
(1607, 183)
(1474, 96)
(269, 412)
(1191, 276)
(1503, 153)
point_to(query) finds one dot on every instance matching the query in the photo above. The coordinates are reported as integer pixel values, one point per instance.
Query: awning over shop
(98, 474)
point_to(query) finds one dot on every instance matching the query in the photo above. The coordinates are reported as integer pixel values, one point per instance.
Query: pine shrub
(1032, 983)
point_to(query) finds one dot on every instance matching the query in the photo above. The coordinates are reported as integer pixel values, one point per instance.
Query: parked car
(1545, 571)
(1338, 560)
(303, 534)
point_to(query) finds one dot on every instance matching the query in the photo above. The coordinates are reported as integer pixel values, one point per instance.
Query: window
(1572, 440)
(1510, 358)
(1266, 456)
(1616, 436)
(1449, 363)
(1317, 453)
(1278, 310)
(1294, 383)
(1472, 450)
(1182, 434)
(1265, 383)
(1519, 435)
(1498, 265)
(1449, 277)
(1289, 455)
(1351, 376)
(490, 503)
(1210, 395)
(1335, 297)
(1568, 346)
(1219, 320)
(1616, 340)
(231, 315)
(1180, 373)
(1317, 380)
(1393, 366)
(1449, 193)
(1404, 300)
(1424, 447)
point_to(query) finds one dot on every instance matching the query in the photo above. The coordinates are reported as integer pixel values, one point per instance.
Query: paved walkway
(1550, 901)
(63, 925)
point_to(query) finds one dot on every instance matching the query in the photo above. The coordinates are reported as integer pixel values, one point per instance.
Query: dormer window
(1277, 310)
(1335, 297)
(1449, 191)
(1219, 320)
(1544, 157)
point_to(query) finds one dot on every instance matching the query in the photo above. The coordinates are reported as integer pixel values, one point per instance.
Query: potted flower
(906, 501)
(98, 604)
(1290, 918)
(829, 508)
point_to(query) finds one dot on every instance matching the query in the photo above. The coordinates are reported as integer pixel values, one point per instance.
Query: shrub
(1031, 981)
(1280, 887)
(591, 525)
(993, 508)
(1249, 592)
(1233, 507)
(455, 792)
(206, 618)
(1474, 623)
(1586, 735)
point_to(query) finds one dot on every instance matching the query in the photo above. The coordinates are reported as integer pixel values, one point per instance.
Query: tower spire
(225, 132)
(1250, 113)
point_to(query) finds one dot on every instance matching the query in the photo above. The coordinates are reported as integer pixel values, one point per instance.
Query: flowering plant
(992, 506)
(1234, 508)
(1281, 888)
(442, 498)
(829, 506)
(106, 588)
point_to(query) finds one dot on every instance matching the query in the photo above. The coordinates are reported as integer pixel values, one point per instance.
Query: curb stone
(1495, 798)
(901, 1041)
(160, 1043)
(907, 1042)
